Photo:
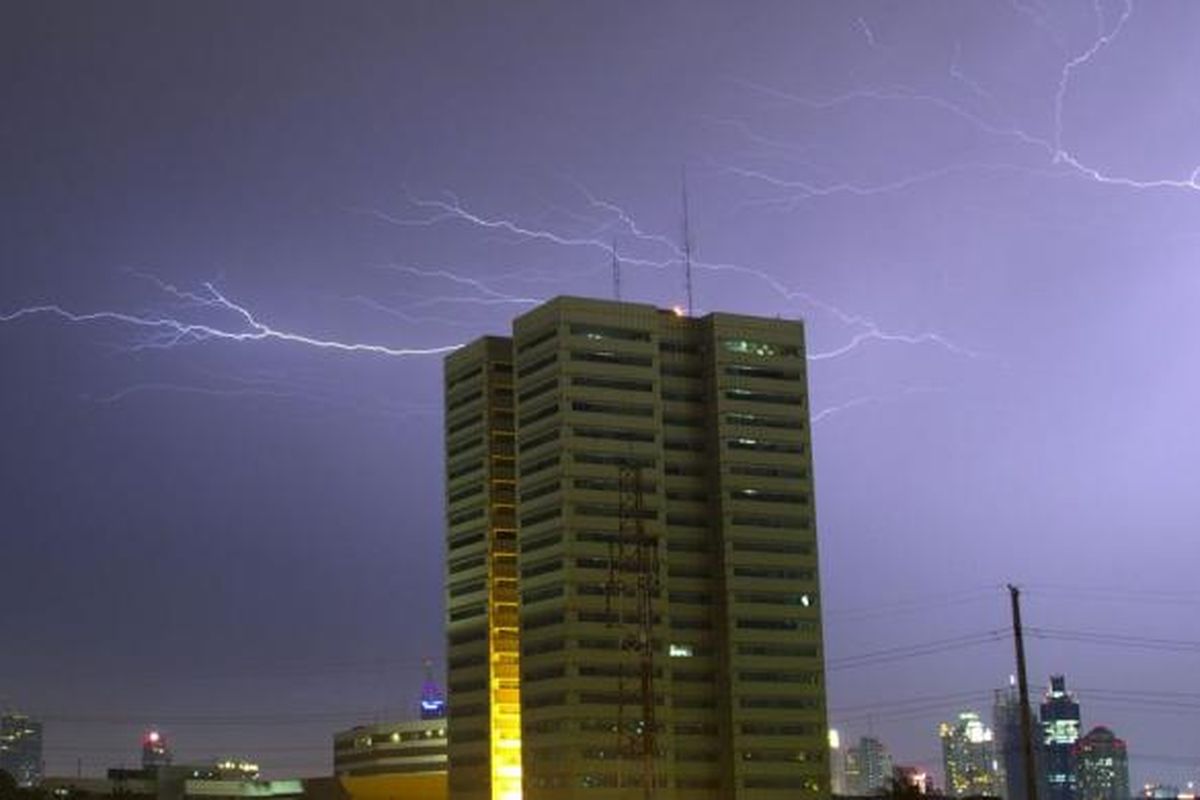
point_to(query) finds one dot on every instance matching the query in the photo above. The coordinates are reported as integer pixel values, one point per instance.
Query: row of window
(760, 349)
(461, 377)
(612, 357)
(675, 544)
(465, 539)
(459, 402)
(769, 373)
(458, 469)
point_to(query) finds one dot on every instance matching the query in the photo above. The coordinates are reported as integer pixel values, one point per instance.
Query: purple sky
(985, 212)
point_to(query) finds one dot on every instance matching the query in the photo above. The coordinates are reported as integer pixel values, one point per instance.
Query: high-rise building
(483, 651)
(868, 767)
(1060, 730)
(655, 469)
(1102, 765)
(837, 763)
(969, 757)
(1010, 751)
(155, 751)
(21, 749)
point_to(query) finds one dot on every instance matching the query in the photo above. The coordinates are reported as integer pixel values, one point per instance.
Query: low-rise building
(393, 761)
(175, 782)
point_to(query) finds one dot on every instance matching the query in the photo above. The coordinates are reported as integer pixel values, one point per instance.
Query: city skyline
(239, 240)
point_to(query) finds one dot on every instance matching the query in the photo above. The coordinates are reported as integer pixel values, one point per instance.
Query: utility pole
(1023, 691)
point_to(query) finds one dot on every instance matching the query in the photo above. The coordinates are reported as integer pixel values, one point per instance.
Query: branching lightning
(487, 295)
(873, 399)
(164, 331)
(452, 209)
(1058, 159)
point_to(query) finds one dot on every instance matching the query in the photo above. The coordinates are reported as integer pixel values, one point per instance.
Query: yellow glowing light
(678, 310)
(505, 690)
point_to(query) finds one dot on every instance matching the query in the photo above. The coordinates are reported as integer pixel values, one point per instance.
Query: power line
(918, 603)
(914, 650)
(1117, 640)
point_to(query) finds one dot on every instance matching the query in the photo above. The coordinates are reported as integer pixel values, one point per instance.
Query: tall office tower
(837, 763)
(969, 757)
(1102, 764)
(868, 767)
(484, 720)
(1060, 731)
(1006, 722)
(669, 624)
(21, 749)
(155, 752)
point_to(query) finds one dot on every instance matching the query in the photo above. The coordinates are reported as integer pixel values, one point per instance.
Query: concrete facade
(712, 414)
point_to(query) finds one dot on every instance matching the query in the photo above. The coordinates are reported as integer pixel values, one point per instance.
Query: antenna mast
(687, 245)
(616, 271)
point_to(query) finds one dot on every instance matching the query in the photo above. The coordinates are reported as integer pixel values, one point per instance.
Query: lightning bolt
(452, 209)
(1053, 151)
(956, 72)
(164, 331)
(488, 295)
(808, 190)
(278, 387)
(873, 399)
(867, 33)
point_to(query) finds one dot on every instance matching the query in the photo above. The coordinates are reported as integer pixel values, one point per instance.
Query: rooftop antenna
(616, 271)
(687, 245)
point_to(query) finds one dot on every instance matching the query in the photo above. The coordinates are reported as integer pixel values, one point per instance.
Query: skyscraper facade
(868, 767)
(1102, 766)
(837, 763)
(483, 647)
(1006, 723)
(1060, 730)
(969, 757)
(21, 749)
(669, 623)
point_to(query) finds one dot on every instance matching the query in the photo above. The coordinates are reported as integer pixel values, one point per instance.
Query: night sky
(222, 517)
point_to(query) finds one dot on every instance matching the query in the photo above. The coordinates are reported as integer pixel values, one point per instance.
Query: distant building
(433, 699)
(915, 777)
(837, 762)
(1006, 724)
(969, 757)
(155, 752)
(1102, 765)
(176, 782)
(1060, 731)
(394, 760)
(868, 767)
(21, 749)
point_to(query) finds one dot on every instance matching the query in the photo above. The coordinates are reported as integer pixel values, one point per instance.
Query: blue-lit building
(1060, 731)
(433, 699)
(21, 749)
